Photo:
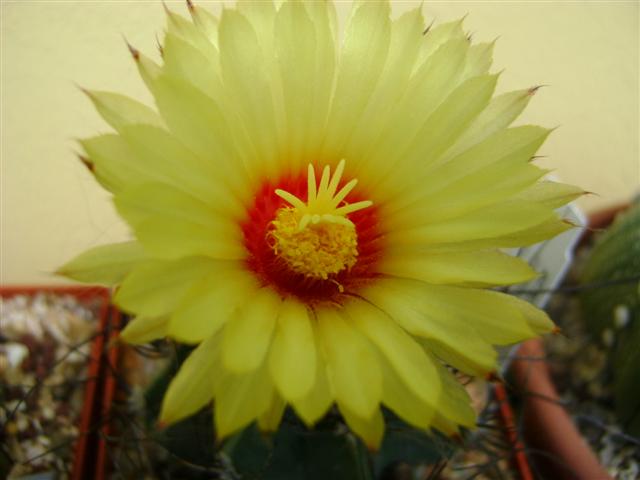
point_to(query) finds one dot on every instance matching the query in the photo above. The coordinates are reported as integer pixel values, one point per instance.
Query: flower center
(316, 249)
(316, 239)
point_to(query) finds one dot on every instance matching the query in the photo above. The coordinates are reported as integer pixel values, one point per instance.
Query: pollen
(316, 238)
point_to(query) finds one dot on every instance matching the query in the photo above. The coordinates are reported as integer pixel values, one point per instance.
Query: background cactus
(611, 308)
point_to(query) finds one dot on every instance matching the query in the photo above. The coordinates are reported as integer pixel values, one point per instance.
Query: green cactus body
(611, 308)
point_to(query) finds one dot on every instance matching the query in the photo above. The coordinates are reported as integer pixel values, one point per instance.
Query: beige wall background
(51, 209)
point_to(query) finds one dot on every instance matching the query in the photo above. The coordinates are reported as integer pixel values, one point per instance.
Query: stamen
(324, 181)
(322, 200)
(337, 176)
(316, 239)
(344, 192)
(354, 207)
(289, 197)
(311, 184)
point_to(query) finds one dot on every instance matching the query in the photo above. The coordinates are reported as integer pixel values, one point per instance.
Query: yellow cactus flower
(323, 218)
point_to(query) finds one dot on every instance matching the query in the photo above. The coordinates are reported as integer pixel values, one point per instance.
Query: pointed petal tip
(135, 53)
(532, 91)
(86, 91)
(159, 46)
(267, 431)
(537, 157)
(429, 27)
(190, 5)
(87, 163)
(372, 448)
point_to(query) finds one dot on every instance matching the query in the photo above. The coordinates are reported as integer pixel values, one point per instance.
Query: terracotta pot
(554, 442)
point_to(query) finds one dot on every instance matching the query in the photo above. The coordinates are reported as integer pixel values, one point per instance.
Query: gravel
(44, 347)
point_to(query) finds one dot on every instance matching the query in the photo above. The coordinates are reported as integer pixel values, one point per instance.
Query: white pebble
(621, 316)
(48, 413)
(16, 353)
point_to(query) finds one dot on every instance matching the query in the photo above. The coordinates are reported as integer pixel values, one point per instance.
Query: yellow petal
(114, 165)
(247, 335)
(210, 303)
(173, 224)
(363, 55)
(537, 319)
(397, 395)
(147, 68)
(551, 194)
(246, 80)
(438, 36)
(183, 60)
(428, 88)
(142, 330)
(105, 264)
(292, 357)
(509, 147)
(241, 399)
(501, 111)
(315, 404)
(403, 49)
(370, 429)
(493, 315)
(269, 421)
(479, 268)
(402, 352)
(494, 183)
(261, 14)
(477, 359)
(296, 50)
(521, 238)
(150, 199)
(155, 288)
(119, 110)
(207, 22)
(445, 426)
(456, 343)
(204, 127)
(451, 119)
(323, 17)
(193, 385)
(179, 26)
(351, 362)
(493, 221)
(455, 402)
(163, 157)
(479, 60)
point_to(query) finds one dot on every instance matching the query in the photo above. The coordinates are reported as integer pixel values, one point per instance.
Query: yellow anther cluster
(317, 251)
(316, 238)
